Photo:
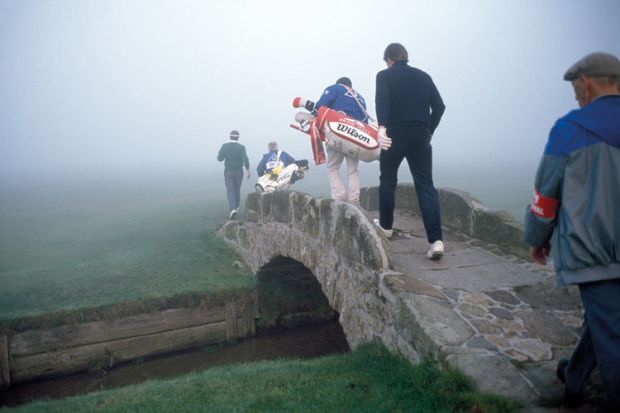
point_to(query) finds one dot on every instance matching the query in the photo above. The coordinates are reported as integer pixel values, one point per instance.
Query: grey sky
(124, 84)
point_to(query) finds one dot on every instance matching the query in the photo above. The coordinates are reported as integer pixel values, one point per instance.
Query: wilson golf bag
(337, 130)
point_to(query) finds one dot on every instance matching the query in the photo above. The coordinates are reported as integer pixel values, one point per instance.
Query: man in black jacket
(409, 109)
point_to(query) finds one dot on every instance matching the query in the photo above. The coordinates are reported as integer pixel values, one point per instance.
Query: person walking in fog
(574, 215)
(235, 159)
(409, 108)
(274, 160)
(343, 98)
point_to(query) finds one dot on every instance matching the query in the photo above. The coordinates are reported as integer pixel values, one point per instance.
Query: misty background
(124, 88)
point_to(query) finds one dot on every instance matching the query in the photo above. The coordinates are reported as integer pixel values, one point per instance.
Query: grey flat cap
(594, 64)
(234, 134)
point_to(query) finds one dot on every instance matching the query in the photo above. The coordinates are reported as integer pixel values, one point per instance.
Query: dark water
(307, 342)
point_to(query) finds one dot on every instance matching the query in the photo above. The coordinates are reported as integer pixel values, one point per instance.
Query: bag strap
(354, 96)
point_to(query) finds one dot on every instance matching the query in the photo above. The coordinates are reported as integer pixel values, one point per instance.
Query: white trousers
(334, 160)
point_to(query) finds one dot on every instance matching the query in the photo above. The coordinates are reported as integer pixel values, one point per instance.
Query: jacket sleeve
(382, 98)
(437, 107)
(327, 98)
(541, 214)
(246, 161)
(221, 154)
(260, 169)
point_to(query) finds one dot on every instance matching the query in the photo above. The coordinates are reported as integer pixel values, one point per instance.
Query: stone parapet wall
(463, 213)
(339, 225)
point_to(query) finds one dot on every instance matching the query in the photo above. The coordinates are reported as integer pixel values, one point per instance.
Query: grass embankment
(369, 379)
(90, 255)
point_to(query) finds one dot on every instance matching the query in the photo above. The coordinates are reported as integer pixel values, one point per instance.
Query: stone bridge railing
(338, 243)
(463, 213)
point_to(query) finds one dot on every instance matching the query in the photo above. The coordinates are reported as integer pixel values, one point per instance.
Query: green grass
(77, 256)
(369, 379)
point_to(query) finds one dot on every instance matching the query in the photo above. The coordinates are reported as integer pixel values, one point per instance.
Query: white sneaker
(387, 232)
(233, 214)
(435, 252)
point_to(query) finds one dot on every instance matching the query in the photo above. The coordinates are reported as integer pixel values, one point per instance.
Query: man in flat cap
(574, 215)
(235, 159)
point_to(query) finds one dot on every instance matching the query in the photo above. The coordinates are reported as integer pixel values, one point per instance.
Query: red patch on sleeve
(544, 206)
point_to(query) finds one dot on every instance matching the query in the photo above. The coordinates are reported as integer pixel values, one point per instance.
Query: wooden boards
(34, 354)
(5, 378)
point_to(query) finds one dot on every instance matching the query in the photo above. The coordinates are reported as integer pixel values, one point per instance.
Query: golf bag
(279, 178)
(337, 130)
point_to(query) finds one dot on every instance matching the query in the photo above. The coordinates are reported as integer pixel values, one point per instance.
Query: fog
(118, 86)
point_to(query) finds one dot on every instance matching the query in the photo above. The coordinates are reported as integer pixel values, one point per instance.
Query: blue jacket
(577, 194)
(340, 98)
(270, 160)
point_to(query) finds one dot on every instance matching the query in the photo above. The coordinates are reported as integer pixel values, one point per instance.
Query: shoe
(570, 399)
(233, 214)
(435, 252)
(387, 232)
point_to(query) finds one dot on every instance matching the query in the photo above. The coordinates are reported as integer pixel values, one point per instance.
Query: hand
(540, 254)
(247, 173)
(384, 141)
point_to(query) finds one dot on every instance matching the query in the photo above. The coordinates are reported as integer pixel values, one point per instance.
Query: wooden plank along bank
(36, 354)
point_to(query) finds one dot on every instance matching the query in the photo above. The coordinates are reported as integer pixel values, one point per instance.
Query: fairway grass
(370, 379)
(78, 257)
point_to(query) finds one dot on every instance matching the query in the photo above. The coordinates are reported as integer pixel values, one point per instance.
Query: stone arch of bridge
(289, 295)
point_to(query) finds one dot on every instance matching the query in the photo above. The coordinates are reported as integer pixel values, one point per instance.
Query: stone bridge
(483, 308)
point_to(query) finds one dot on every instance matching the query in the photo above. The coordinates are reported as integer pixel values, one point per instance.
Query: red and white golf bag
(338, 131)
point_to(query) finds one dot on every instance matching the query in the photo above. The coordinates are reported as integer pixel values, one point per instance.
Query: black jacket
(406, 95)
